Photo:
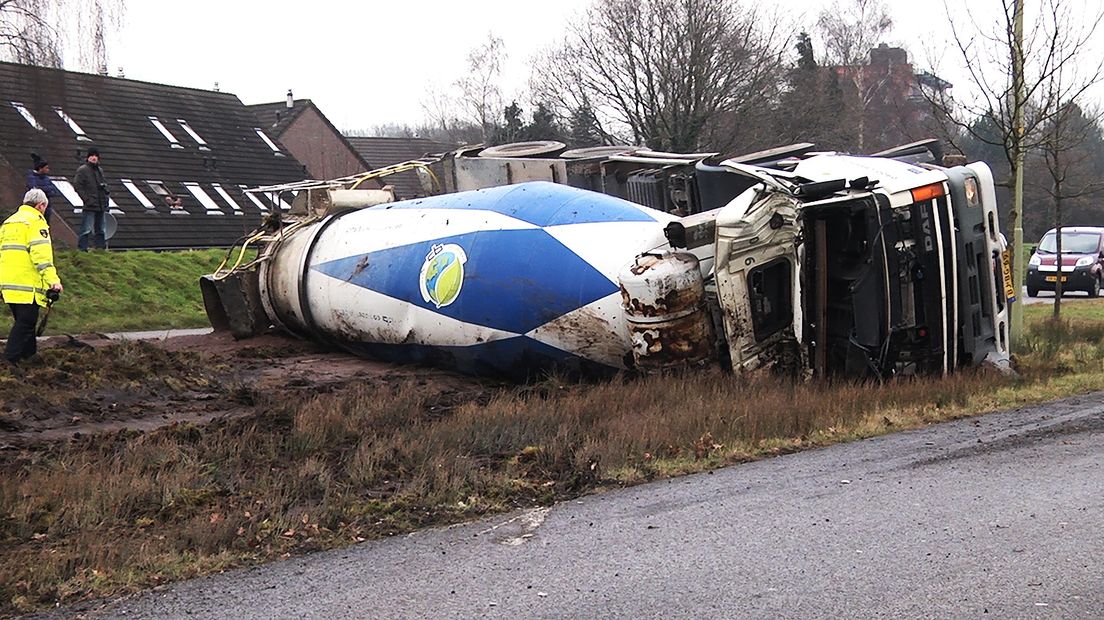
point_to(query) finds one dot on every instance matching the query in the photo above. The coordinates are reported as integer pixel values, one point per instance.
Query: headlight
(1034, 262)
(1084, 261)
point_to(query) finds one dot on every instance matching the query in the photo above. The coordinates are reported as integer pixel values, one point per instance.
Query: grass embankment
(108, 515)
(133, 290)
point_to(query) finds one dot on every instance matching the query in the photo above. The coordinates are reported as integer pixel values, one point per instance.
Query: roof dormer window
(27, 116)
(72, 124)
(195, 136)
(173, 142)
(269, 142)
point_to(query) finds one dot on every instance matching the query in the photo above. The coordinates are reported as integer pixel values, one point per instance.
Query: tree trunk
(1058, 249)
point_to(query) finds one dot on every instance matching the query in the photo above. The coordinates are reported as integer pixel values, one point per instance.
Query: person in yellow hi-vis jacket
(26, 272)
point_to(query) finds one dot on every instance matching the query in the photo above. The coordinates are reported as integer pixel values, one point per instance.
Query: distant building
(889, 98)
(158, 143)
(381, 152)
(310, 137)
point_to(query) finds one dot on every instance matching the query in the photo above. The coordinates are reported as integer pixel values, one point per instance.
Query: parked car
(1082, 261)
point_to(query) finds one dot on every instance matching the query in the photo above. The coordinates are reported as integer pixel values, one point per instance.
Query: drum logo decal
(442, 274)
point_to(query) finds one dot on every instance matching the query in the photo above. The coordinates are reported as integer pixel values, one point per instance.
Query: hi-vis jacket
(26, 258)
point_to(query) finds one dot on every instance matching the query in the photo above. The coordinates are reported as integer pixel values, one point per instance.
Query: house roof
(115, 115)
(380, 152)
(277, 117)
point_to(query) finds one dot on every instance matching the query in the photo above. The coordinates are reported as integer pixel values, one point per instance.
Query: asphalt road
(1047, 297)
(995, 517)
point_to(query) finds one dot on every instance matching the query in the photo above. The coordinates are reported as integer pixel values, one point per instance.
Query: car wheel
(1094, 291)
(1032, 292)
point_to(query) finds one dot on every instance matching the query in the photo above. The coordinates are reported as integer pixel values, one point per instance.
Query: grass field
(102, 516)
(122, 291)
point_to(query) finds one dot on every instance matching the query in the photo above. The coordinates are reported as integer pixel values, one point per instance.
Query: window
(66, 188)
(165, 132)
(771, 300)
(134, 191)
(195, 136)
(204, 199)
(169, 199)
(72, 125)
(268, 141)
(274, 198)
(227, 199)
(27, 116)
(253, 198)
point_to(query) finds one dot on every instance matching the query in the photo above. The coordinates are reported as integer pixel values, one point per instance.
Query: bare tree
(849, 30)
(58, 33)
(480, 94)
(472, 102)
(1062, 145)
(1055, 47)
(670, 74)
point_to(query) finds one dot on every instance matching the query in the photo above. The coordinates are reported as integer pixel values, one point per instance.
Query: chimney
(121, 73)
(216, 87)
(290, 100)
(103, 70)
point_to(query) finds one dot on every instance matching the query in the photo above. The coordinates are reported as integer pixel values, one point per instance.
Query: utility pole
(1019, 97)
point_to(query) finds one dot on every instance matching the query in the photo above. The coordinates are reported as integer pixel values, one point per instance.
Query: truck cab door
(757, 280)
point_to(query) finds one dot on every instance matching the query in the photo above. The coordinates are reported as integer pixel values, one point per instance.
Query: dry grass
(108, 515)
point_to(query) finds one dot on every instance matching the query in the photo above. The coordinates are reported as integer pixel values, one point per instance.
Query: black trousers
(21, 340)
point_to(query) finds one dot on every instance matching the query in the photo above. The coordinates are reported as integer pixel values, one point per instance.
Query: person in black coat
(92, 188)
(38, 177)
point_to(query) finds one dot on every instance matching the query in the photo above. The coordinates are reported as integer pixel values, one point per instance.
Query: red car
(1082, 261)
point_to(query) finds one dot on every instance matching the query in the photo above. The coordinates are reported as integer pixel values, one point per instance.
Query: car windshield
(1072, 243)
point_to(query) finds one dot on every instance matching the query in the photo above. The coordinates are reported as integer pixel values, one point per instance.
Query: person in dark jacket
(92, 189)
(38, 177)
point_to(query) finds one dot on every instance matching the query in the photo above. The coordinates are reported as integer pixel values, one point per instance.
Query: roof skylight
(27, 116)
(191, 132)
(66, 188)
(72, 124)
(165, 132)
(227, 199)
(268, 141)
(253, 198)
(204, 199)
(134, 191)
(274, 197)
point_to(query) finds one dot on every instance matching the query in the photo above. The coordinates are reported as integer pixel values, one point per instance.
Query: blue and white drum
(510, 280)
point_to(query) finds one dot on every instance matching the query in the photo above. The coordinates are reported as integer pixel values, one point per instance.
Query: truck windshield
(1072, 243)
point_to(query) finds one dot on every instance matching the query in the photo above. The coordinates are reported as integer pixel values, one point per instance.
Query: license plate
(1055, 278)
(1006, 273)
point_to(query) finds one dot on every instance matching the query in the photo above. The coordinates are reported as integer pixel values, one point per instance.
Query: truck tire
(1032, 292)
(539, 148)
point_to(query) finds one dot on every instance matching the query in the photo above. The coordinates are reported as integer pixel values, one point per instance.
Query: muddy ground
(92, 385)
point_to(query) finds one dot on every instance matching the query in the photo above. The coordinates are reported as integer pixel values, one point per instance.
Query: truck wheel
(1032, 292)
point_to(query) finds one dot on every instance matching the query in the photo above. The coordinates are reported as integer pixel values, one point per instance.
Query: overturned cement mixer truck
(817, 265)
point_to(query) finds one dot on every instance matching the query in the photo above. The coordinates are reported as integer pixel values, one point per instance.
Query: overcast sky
(367, 63)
